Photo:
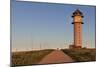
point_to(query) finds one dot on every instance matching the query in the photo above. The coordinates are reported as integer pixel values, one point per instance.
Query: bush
(81, 55)
(28, 57)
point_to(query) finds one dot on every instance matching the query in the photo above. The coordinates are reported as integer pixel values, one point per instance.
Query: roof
(77, 12)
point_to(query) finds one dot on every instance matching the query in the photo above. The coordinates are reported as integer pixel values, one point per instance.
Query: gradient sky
(49, 25)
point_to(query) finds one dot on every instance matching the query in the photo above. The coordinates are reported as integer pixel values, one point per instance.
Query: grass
(28, 57)
(34, 57)
(81, 55)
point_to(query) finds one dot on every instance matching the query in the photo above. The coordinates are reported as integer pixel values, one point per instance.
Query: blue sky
(48, 25)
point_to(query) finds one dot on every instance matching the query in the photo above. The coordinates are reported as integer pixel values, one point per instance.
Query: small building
(71, 46)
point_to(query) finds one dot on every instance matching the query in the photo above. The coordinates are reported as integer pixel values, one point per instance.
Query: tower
(77, 23)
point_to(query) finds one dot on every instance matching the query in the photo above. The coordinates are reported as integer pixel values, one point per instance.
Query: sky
(37, 25)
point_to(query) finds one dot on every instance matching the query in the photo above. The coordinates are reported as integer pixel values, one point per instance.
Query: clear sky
(49, 25)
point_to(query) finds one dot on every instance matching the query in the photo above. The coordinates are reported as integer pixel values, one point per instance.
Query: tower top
(77, 13)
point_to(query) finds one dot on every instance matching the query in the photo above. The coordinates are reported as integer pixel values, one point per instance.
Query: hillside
(28, 57)
(81, 55)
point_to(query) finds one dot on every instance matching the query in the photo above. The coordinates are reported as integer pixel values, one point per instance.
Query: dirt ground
(56, 56)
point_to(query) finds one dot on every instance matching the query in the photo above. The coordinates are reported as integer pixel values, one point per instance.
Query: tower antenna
(40, 46)
(88, 23)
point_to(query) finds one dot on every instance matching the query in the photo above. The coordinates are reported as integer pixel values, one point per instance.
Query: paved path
(56, 56)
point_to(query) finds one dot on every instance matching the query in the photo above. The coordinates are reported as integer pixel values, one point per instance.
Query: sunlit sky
(49, 25)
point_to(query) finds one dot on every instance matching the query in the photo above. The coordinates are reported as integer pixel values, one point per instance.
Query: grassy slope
(28, 57)
(81, 55)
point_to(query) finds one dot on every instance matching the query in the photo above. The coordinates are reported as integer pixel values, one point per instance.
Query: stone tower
(77, 22)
